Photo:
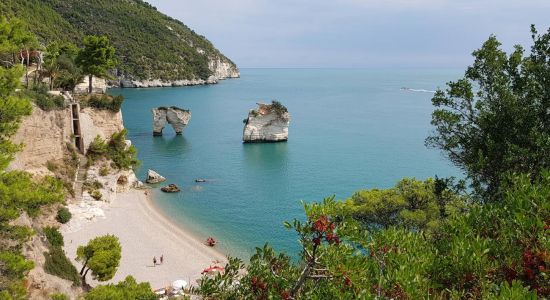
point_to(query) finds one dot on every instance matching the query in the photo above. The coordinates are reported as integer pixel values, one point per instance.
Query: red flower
(285, 295)
(321, 224)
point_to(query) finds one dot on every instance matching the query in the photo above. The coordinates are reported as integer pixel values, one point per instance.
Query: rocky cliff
(267, 123)
(175, 116)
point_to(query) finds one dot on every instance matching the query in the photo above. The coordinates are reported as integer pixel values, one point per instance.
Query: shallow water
(350, 129)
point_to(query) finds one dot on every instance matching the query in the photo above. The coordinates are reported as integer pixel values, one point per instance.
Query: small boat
(210, 241)
(200, 180)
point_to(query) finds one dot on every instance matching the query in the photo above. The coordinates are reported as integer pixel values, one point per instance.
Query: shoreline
(144, 232)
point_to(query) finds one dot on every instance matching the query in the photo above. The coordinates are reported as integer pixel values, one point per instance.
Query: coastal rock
(154, 177)
(267, 123)
(175, 116)
(221, 69)
(171, 188)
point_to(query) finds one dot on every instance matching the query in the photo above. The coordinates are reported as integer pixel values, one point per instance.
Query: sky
(357, 33)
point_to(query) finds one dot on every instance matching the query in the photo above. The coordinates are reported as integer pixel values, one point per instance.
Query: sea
(350, 129)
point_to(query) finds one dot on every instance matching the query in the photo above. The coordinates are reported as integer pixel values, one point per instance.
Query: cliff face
(266, 124)
(45, 135)
(221, 69)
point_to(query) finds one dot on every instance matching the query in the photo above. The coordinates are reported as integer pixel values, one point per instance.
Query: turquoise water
(350, 129)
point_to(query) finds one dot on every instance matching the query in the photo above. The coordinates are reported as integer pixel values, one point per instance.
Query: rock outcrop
(175, 116)
(154, 177)
(267, 123)
(171, 188)
(221, 69)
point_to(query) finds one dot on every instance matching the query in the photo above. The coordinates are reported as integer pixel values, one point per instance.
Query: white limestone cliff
(267, 123)
(221, 69)
(175, 116)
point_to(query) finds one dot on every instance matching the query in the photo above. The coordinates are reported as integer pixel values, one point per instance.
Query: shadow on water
(265, 156)
(171, 144)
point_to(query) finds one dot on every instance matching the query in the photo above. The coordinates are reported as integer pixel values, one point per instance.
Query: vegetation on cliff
(19, 191)
(150, 44)
(124, 156)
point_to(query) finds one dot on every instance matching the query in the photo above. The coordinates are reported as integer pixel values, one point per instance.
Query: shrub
(52, 166)
(123, 156)
(59, 265)
(97, 148)
(278, 107)
(59, 296)
(63, 215)
(106, 102)
(54, 236)
(39, 95)
(104, 171)
(92, 185)
(96, 195)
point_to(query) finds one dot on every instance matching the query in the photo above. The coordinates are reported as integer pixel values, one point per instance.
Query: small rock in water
(171, 188)
(154, 177)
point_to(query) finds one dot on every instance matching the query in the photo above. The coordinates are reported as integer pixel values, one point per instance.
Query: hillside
(150, 45)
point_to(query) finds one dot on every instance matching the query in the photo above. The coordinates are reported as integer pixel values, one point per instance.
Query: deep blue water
(350, 129)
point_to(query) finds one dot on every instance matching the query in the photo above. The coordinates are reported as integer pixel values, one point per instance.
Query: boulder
(267, 123)
(154, 177)
(175, 116)
(171, 188)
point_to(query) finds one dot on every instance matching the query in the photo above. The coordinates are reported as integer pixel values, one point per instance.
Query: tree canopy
(496, 119)
(101, 256)
(128, 289)
(97, 57)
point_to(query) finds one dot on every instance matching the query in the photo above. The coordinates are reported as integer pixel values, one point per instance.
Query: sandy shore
(144, 233)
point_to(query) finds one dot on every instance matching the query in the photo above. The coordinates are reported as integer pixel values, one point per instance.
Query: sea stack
(267, 123)
(175, 116)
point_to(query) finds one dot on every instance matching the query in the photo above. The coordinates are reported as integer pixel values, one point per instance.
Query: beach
(144, 233)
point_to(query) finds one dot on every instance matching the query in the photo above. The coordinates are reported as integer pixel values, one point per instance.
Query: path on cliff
(80, 178)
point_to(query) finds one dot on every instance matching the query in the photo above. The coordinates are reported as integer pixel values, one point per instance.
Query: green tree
(128, 289)
(97, 57)
(101, 255)
(495, 119)
(411, 204)
(493, 251)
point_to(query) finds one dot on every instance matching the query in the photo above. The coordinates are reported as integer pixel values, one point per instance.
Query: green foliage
(12, 109)
(495, 119)
(47, 102)
(411, 204)
(149, 44)
(493, 251)
(59, 296)
(53, 236)
(128, 289)
(123, 156)
(101, 255)
(14, 36)
(13, 267)
(106, 102)
(97, 57)
(59, 265)
(104, 171)
(63, 215)
(19, 192)
(279, 108)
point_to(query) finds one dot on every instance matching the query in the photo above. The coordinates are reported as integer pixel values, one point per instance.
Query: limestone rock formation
(171, 188)
(175, 116)
(267, 123)
(154, 177)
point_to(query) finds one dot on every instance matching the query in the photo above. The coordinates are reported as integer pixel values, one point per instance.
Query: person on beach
(161, 259)
(154, 261)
